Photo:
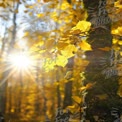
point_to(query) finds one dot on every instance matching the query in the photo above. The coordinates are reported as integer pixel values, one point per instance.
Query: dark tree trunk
(68, 85)
(69, 1)
(4, 81)
(100, 60)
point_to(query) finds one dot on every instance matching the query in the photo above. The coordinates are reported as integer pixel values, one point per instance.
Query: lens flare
(20, 61)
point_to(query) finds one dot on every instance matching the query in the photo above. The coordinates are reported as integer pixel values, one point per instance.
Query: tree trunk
(3, 85)
(68, 85)
(102, 99)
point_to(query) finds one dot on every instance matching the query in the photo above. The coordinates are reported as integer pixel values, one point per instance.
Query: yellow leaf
(40, 15)
(29, 6)
(89, 85)
(121, 53)
(61, 61)
(2, 5)
(48, 64)
(105, 49)
(26, 34)
(83, 88)
(61, 45)
(77, 99)
(114, 41)
(83, 26)
(117, 31)
(118, 4)
(69, 51)
(120, 42)
(71, 108)
(85, 46)
(56, 83)
(49, 44)
(65, 5)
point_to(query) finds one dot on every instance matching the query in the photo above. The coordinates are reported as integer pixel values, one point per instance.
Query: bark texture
(101, 101)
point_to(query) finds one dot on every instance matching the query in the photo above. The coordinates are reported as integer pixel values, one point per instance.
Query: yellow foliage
(85, 46)
(77, 99)
(61, 60)
(26, 34)
(118, 4)
(120, 42)
(49, 44)
(114, 41)
(120, 87)
(54, 16)
(48, 64)
(117, 31)
(83, 26)
(40, 15)
(62, 45)
(88, 86)
(105, 49)
(64, 5)
(71, 108)
(2, 5)
(69, 51)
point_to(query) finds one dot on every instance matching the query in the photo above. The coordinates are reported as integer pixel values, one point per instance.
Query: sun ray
(9, 74)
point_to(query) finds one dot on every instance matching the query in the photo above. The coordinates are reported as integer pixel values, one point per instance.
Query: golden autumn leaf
(82, 26)
(26, 34)
(120, 87)
(62, 45)
(85, 46)
(69, 51)
(49, 44)
(90, 85)
(120, 53)
(2, 5)
(64, 5)
(114, 41)
(61, 60)
(77, 99)
(105, 49)
(40, 15)
(117, 31)
(118, 4)
(120, 42)
(71, 108)
(48, 64)
(83, 88)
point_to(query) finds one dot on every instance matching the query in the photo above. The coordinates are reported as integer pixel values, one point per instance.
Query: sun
(20, 61)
